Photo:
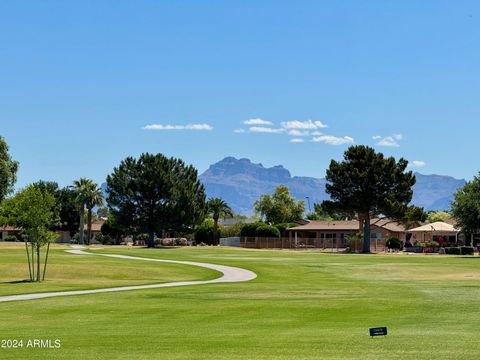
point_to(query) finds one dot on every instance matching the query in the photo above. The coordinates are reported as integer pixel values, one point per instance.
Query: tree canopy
(154, 193)
(368, 184)
(8, 170)
(280, 207)
(217, 208)
(32, 209)
(434, 216)
(466, 206)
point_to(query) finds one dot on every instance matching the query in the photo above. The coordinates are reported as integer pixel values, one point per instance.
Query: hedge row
(463, 250)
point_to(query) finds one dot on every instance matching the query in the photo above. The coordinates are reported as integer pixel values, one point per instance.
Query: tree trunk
(33, 262)
(215, 230)
(38, 263)
(28, 259)
(89, 226)
(46, 260)
(151, 239)
(81, 230)
(366, 234)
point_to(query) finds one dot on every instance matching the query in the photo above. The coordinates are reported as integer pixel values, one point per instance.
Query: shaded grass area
(77, 272)
(301, 306)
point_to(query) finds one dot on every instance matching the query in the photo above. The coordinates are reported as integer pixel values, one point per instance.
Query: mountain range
(240, 182)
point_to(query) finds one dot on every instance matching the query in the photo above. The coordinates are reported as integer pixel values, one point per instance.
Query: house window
(375, 235)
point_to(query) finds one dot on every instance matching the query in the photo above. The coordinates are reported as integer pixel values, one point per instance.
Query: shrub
(140, 237)
(204, 232)
(10, 238)
(248, 230)
(167, 242)
(267, 231)
(103, 239)
(233, 230)
(394, 243)
(452, 251)
(467, 250)
(283, 227)
(181, 242)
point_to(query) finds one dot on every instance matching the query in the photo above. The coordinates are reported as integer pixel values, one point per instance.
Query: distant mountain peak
(240, 182)
(231, 166)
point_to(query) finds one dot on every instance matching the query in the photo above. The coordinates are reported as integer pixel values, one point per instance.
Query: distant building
(340, 231)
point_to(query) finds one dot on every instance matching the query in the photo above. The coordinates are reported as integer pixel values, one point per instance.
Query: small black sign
(380, 331)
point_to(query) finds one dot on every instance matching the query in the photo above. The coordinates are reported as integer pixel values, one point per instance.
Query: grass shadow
(15, 282)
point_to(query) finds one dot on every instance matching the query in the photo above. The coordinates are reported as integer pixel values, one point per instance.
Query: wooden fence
(332, 244)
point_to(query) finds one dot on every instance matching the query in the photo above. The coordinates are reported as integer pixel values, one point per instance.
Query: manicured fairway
(301, 306)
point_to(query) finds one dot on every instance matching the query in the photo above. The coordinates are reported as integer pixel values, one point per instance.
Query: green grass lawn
(303, 305)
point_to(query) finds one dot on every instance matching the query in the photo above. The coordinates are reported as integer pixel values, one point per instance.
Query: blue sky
(81, 82)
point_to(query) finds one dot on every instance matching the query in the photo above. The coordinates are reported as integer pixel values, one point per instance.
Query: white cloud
(178, 127)
(333, 140)
(257, 121)
(388, 141)
(297, 140)
(309, 124)
(295, 132)
(239, 131)
(263, 129)
(418, 164)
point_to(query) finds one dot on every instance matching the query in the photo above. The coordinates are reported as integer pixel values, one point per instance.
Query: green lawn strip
(302, 306)
(77, 272)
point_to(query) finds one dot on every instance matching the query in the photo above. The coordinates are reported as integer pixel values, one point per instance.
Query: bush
(268, 231)
(233, 230)
(467, 250)
(204, 233)
(140, 237)
(249, 230)
(394, 243)
(167, 242)
(181, 242)
(452, 251)
(10, 238)
(283, 227)
(103, 239)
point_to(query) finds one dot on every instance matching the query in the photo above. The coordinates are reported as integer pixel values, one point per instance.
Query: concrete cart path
(230, 275)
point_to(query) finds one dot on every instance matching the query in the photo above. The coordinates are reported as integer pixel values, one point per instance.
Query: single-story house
(439, 231)
(96, 227)
(8, 231)
(340, 231)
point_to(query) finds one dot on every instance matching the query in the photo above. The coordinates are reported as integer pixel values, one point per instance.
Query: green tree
(8, 170)
(81, 187)
(217, 208)
(69, 210)
(102, 212)
(434, 216)
(93, 197)
(368, 184)
(204, 232)
(89, 195)
(32, 209)
(114, 229)
(279, 207)
(154, 193)
(466, 207)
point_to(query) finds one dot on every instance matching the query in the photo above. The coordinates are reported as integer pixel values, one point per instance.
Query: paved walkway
(230, 274)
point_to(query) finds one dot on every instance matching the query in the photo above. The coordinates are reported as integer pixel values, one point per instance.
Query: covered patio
(440, 232)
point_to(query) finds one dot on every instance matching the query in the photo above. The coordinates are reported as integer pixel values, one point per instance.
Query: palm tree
(89, 195)
(217, 207)
(94, 197)
(80, 186)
